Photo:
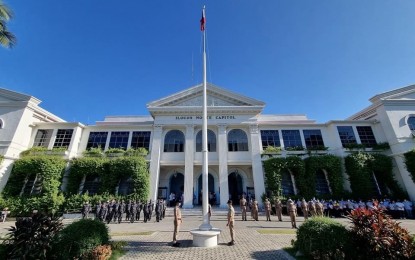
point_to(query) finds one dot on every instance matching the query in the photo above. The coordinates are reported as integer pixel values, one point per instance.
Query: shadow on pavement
(270, 254)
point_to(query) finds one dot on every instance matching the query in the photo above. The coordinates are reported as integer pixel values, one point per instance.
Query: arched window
(126, 186)
(211, 141)
(91, 184)
(322, 187)
(411, 123)
(174, 142)
(287, 184)
(237, 141)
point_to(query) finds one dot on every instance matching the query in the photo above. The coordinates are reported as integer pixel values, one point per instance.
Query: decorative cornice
(254, 129)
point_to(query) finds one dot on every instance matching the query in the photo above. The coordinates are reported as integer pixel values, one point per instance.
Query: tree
(7, 39)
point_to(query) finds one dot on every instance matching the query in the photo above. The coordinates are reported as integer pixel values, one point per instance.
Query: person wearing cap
(242, 204)
(267, 206)
(177, 222)
(292, 210)
(304, 208)
(278, 208)
(231, 222)
(255, 210)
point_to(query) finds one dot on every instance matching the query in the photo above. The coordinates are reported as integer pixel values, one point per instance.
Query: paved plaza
(152, 240)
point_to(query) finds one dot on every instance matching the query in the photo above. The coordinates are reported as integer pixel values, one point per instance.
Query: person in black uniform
(133, 212)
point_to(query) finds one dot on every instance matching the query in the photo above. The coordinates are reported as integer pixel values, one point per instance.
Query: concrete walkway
(251, 242)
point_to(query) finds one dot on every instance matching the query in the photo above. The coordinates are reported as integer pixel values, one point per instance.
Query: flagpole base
(205, 238)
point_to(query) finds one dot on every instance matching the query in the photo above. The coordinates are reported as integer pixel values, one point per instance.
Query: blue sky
(86, 59)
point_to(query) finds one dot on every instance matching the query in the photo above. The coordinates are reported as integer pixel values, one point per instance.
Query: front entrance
(177, 184)
(235, 187)
(211, 187)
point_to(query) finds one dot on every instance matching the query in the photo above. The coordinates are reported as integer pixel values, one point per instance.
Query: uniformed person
(127, 210)
(145, 211)
(86, 208)
(158, 210)
(319, 208)
(97, 210)
(121, 210)
(231, 222)
(177, 221)
(267, 206)
(312, 208)
(243, 205)
(278, 209)
(255, 210)
(292, 211)
(103, 211)
(133, 211)
(304, 208)
(139, 207)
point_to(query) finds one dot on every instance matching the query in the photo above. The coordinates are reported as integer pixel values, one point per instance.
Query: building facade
(238, 133)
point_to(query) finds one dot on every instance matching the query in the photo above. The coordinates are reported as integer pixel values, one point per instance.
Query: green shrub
(31, 238)
(79, 238)
(376, 236)
(322, 238)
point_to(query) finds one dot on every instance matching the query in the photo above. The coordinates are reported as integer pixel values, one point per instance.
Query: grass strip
(277, 231)
(144, 233)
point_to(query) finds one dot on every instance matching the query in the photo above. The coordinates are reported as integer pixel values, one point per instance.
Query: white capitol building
(237, 134)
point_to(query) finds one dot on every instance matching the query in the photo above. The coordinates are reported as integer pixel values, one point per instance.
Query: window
(270, 138)
(322, 187)
(411, 123)
(97, 140)
(237, 141)
(174, 142)
(126, 186)
(91, 184)
(287, 184)
(43, 137)
(63, 138)
(346, 135)
(313, 138)
(366, 136)
(291, 138)
(141, 140)
(32, 185)
(119, 140)
(211, 142)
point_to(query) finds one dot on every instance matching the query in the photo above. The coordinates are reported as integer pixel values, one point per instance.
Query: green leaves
(410, 163)
(361, 166)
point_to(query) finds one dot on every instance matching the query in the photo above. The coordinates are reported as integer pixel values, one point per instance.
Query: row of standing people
(113, 211)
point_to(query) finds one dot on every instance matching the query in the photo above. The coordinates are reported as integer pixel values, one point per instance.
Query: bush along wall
(410, 163)
(124, 167)
(274, 167)
(111, 171)
(332, 165)
(86, 166)
(50, 170)
(360, 167)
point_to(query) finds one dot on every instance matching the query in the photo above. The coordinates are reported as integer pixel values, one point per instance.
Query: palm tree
(7, 39)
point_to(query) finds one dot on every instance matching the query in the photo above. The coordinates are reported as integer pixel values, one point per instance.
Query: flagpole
(206, 222)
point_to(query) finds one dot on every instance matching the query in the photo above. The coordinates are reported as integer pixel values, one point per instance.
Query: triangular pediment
(216, 96)
(191, 100)
(12, 96)
(405, 93)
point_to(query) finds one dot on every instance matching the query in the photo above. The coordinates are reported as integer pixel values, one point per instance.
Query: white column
(155, 161)
(188, 167)
(257, 171)
(223, 165)
(52, 139)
